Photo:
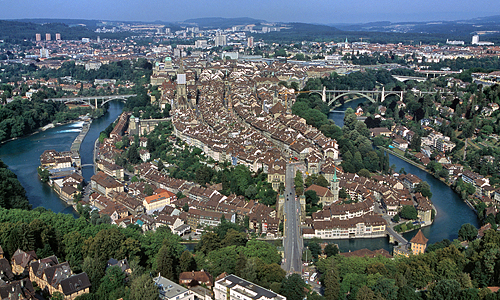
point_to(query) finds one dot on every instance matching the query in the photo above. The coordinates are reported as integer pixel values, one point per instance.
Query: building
(158, 201)
(105, 184)
(325, 195)
(47, 37)
(38, 37)
(196, 278)
(220, 40)
(58, 36)
(20, 261)
(233, 287)
(250, 42)
(170, 290)
(419, 243)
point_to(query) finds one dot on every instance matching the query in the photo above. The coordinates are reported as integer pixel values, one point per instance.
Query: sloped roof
(419, 238)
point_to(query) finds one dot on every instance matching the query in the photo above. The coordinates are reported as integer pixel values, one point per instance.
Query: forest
(21, 117)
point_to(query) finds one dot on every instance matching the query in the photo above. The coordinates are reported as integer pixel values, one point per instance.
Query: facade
(233, 288)
(158, 202)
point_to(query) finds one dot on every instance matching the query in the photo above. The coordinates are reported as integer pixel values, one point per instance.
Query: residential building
(104, 184)
(158, 201)
(196, 278)
(170, 290)
(234, 287)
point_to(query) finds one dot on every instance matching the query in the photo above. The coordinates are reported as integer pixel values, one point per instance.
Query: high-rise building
(38, 37)
(47, 37)
(98, 39)
(44, 53)
(250, 42)
(220, 39)
(167, 30)
(58, 36)
(475, 39)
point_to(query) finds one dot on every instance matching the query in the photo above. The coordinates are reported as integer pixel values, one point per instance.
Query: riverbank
(423, 168)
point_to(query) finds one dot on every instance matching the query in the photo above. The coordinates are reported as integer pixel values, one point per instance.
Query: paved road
(292, 242)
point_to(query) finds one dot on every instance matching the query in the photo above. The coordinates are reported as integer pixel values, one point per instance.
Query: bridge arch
(351, 93)
(399, 94)
(111, 99)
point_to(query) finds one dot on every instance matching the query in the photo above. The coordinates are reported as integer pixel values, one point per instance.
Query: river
(452, 212)
(23, 156)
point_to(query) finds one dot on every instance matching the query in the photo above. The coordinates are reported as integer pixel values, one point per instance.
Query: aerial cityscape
(226, 151)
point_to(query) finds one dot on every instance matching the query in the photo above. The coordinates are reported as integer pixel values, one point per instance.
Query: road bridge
(406, 78)
(92, 99)
(292, 235)
(330, 96)
(394, 236)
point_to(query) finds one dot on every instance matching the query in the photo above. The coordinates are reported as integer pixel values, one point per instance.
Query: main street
(292, 241)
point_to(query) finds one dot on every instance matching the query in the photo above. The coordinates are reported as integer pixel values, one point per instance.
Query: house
(5, 270)
(170, 290)
(52, 276)
(104, 184)
(19, 289)
(20, 261)
(122, 264)
(234, 287)
(111, 169)
(196, 278)
(400, 143)
(144, 154)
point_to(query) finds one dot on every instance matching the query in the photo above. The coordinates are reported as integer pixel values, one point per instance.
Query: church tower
(334, 186)
(181, 93)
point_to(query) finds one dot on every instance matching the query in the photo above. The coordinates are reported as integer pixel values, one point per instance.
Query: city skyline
(316, 11)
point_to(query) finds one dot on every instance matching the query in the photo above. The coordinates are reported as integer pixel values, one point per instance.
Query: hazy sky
(311, 11)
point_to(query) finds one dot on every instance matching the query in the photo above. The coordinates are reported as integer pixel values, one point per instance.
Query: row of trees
(12, 193)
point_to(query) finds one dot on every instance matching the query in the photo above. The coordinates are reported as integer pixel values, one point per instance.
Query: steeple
(334, 185)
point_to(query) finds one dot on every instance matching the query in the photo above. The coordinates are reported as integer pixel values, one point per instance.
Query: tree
(57, 296)
(424, 189)
(187, 262)
(444, 289)
(292, 287)
(143, 288)
(112, 284)
(148, 190)
(311, 197)
(299, 183)
(415, 142)
(165, 263)
(314, 246)
(364, 173)
(331, 281)
(467, 232)
(408, 212)
(365, 293)
(331, 250)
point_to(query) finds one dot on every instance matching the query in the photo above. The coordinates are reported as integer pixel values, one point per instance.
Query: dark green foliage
(292, 287)
(467, 232)
(12, 193)
(143, 288)
(423, 188)
(331, 250)
(408, 212)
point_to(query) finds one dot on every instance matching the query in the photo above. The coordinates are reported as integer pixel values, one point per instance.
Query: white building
(170, 290)
(234, 288)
